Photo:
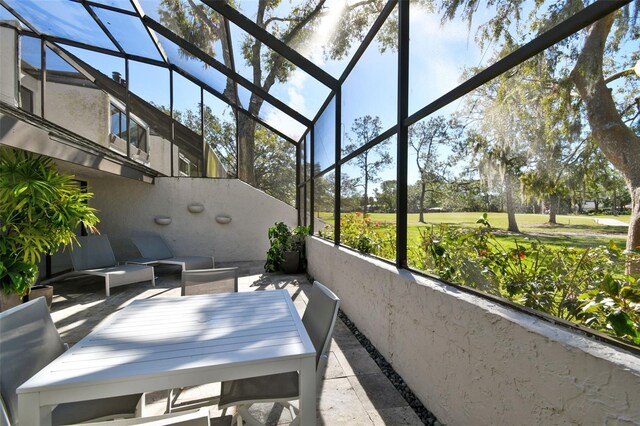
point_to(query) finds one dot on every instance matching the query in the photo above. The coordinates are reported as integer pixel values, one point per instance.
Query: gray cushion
(76, 412)
(152, 246)
(274, 387)
(209, 281)
(318, 318)
(30, 341)
(92, 252)
(190, 262)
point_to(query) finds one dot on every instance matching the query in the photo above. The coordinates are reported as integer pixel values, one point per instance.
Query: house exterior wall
(8, 66)
(471, 361)
(82, 110)
(127, 207)
(160, 155)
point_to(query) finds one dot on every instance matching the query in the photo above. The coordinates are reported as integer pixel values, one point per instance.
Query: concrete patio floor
(354, 391)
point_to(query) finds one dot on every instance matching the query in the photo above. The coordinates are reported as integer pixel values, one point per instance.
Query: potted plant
(292, 252)
(40, 209)
(287, 251)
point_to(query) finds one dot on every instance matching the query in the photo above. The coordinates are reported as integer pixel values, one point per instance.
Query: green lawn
(577, 231)
(497, 220)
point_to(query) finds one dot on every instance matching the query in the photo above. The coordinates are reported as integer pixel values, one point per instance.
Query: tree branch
(219, 30)
(275, 18)
(293, 31)
(619, 74)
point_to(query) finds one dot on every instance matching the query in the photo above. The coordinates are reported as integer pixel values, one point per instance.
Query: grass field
(575, 231)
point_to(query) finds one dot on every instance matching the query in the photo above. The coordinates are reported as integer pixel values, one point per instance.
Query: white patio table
(168, 343)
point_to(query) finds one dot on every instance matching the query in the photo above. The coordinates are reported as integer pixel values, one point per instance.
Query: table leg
(308, 390)
(30, 412)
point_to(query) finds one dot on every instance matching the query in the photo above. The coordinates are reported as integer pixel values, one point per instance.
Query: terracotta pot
(291, 262)
(45, 291)
(8, 301)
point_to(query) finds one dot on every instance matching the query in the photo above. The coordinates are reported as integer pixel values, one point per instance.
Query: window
(118, 123)
(187, 166)
(138, 136)
(504, 174)
(137, 132)
(26, 99)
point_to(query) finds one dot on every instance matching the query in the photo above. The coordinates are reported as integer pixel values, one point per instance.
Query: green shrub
(587, 287)
(359, 232)
(40, 209)
(284, 239)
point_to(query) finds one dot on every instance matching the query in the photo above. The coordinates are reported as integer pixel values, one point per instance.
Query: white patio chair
(319, 319)
(4, 414)
(209, 281)
(92, 255)
(30, 341)
(154, 249)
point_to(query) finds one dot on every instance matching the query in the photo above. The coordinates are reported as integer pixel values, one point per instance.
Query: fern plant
(40, 209)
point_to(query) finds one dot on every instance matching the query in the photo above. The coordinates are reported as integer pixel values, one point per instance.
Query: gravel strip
(425, 415)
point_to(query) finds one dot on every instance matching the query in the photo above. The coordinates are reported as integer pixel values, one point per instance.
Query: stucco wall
(127, 207)
(82, 110)
(471, 361)
(160, 155)
(8, 70)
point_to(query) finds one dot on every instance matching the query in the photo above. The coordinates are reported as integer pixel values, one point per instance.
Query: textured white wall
(160, 155)
(471, 361)
(128, 207)
(8, 68)
(82, 110)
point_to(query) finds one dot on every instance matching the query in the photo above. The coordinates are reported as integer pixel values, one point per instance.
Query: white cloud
(295, 87)
(439, 53)
(295, 99)
(284, 123)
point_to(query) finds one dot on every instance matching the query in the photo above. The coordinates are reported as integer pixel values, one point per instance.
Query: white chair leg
(142, 406)
(236, 419)
(106, 285)
(169, 400)
(294, 411)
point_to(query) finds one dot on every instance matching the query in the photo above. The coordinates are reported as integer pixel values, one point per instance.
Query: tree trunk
(246, 149)
(554, 200)
(366, 196)
(423, 190)
(633, 238)
(511, 210)
(616, 140)
(366, 183)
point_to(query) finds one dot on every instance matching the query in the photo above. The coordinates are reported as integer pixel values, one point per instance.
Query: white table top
(176, 337)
